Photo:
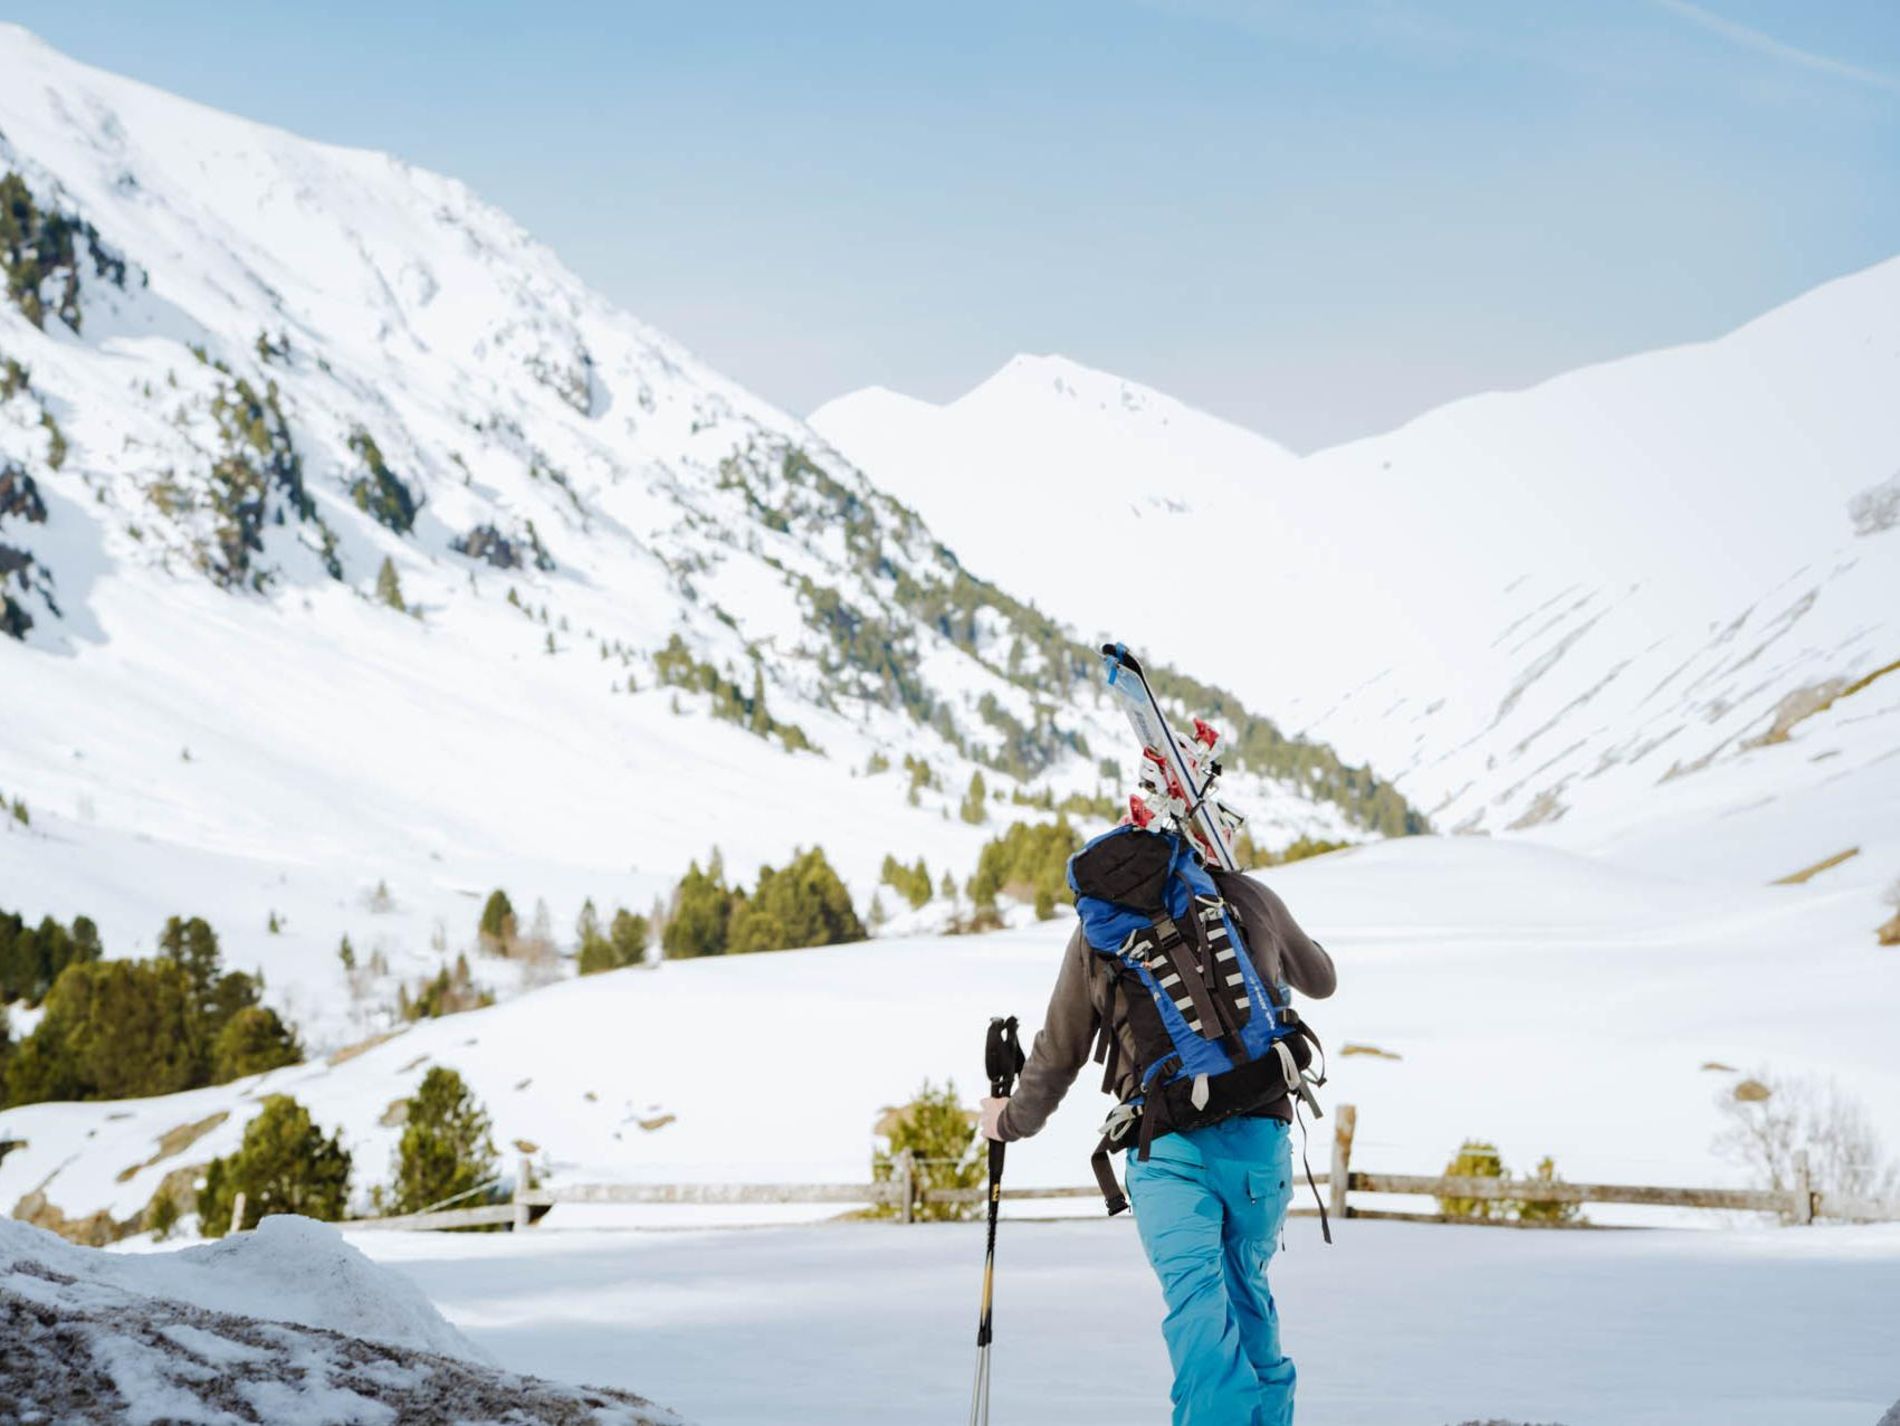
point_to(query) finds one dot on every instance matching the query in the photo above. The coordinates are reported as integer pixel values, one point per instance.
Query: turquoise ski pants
(1209, 1204)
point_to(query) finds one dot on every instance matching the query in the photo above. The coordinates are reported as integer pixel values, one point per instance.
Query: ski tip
(1119, 658)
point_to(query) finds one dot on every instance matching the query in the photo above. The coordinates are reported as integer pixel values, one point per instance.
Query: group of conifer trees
(118, 1029)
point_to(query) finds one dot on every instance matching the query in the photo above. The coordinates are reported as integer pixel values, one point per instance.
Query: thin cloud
(1750, 38)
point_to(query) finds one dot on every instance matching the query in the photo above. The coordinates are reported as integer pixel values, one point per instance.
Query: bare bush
(1782, 1116)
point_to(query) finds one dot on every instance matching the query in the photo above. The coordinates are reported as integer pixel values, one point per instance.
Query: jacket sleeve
(1308, 968)
(1061, 1047)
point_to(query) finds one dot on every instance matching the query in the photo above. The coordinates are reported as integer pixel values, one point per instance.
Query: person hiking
(1209, 1201)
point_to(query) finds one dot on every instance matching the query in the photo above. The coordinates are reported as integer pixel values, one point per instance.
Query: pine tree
(446, 1147)
(937, 1131)
(496, 930)
(285, 1165)
(252, 1041)
(975, 809)
(112, 1030)
(696, 922)
(389, 587)
(193, 946)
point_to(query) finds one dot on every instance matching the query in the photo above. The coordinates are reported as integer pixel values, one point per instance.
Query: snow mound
(285, 1325)
(298, 1270)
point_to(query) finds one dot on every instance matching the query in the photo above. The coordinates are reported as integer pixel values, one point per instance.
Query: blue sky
(1314, 218)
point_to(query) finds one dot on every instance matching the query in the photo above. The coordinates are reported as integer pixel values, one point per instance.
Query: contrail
(1750, 38)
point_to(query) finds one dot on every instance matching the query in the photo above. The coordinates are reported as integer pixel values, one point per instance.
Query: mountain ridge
(1549, 610)
(348, 539)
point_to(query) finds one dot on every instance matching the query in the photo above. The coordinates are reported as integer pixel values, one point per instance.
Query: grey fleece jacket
(1281, 951)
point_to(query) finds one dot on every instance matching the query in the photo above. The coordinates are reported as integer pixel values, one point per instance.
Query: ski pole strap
(1104, 1167)
(1325, 1226)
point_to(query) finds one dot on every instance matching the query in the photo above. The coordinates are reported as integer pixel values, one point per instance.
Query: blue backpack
(1212, 1038)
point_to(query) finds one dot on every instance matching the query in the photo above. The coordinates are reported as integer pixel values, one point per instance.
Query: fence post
(521, 1193)
(1803, 1189)
(237, 1212)
(906, 1180)
(1345, 1120)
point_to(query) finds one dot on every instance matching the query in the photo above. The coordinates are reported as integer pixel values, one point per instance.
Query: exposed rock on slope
(285, 1325)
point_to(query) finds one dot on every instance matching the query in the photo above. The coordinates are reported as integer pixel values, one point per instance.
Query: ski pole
(1002, 1060)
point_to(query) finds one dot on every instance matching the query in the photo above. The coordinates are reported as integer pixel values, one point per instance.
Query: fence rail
(905, 1192)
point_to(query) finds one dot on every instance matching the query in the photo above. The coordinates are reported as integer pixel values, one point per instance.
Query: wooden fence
(905, 1192)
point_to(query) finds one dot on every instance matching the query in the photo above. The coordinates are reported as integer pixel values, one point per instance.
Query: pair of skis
(1178, 773)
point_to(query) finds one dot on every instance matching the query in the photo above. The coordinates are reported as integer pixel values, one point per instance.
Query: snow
(875, 1323)
(1554, 1003)
(290, 1270)
(1570, 610)
(1565, 618)
(277, 754)
(289, 1325)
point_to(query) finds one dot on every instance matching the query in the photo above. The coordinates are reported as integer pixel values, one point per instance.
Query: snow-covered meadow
(1394, 1325)
(1548, 1001)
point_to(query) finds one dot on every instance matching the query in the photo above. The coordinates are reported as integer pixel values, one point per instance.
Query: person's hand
(992, 1117)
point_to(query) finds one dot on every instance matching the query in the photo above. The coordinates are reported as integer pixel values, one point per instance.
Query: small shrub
(1531, 1211)
(450, 991)
(1782, 1116)
(939, 1133)
(1475, 1159)
(284, 1165)
(446, 1148)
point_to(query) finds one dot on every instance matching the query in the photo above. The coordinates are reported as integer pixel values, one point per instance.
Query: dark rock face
(485, 542)
(20, 497)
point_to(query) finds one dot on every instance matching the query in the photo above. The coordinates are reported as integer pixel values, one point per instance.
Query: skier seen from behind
(1210, 1198)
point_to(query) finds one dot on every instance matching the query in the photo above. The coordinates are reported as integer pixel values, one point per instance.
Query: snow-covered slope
(1595, 607)
(1549, 1001)
(287, 1324)
(254, 390)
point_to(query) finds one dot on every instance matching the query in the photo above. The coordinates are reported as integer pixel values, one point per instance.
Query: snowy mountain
(347, 540)
(1650, 608)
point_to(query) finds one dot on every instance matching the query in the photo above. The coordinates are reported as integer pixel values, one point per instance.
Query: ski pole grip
(1002, 1055)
